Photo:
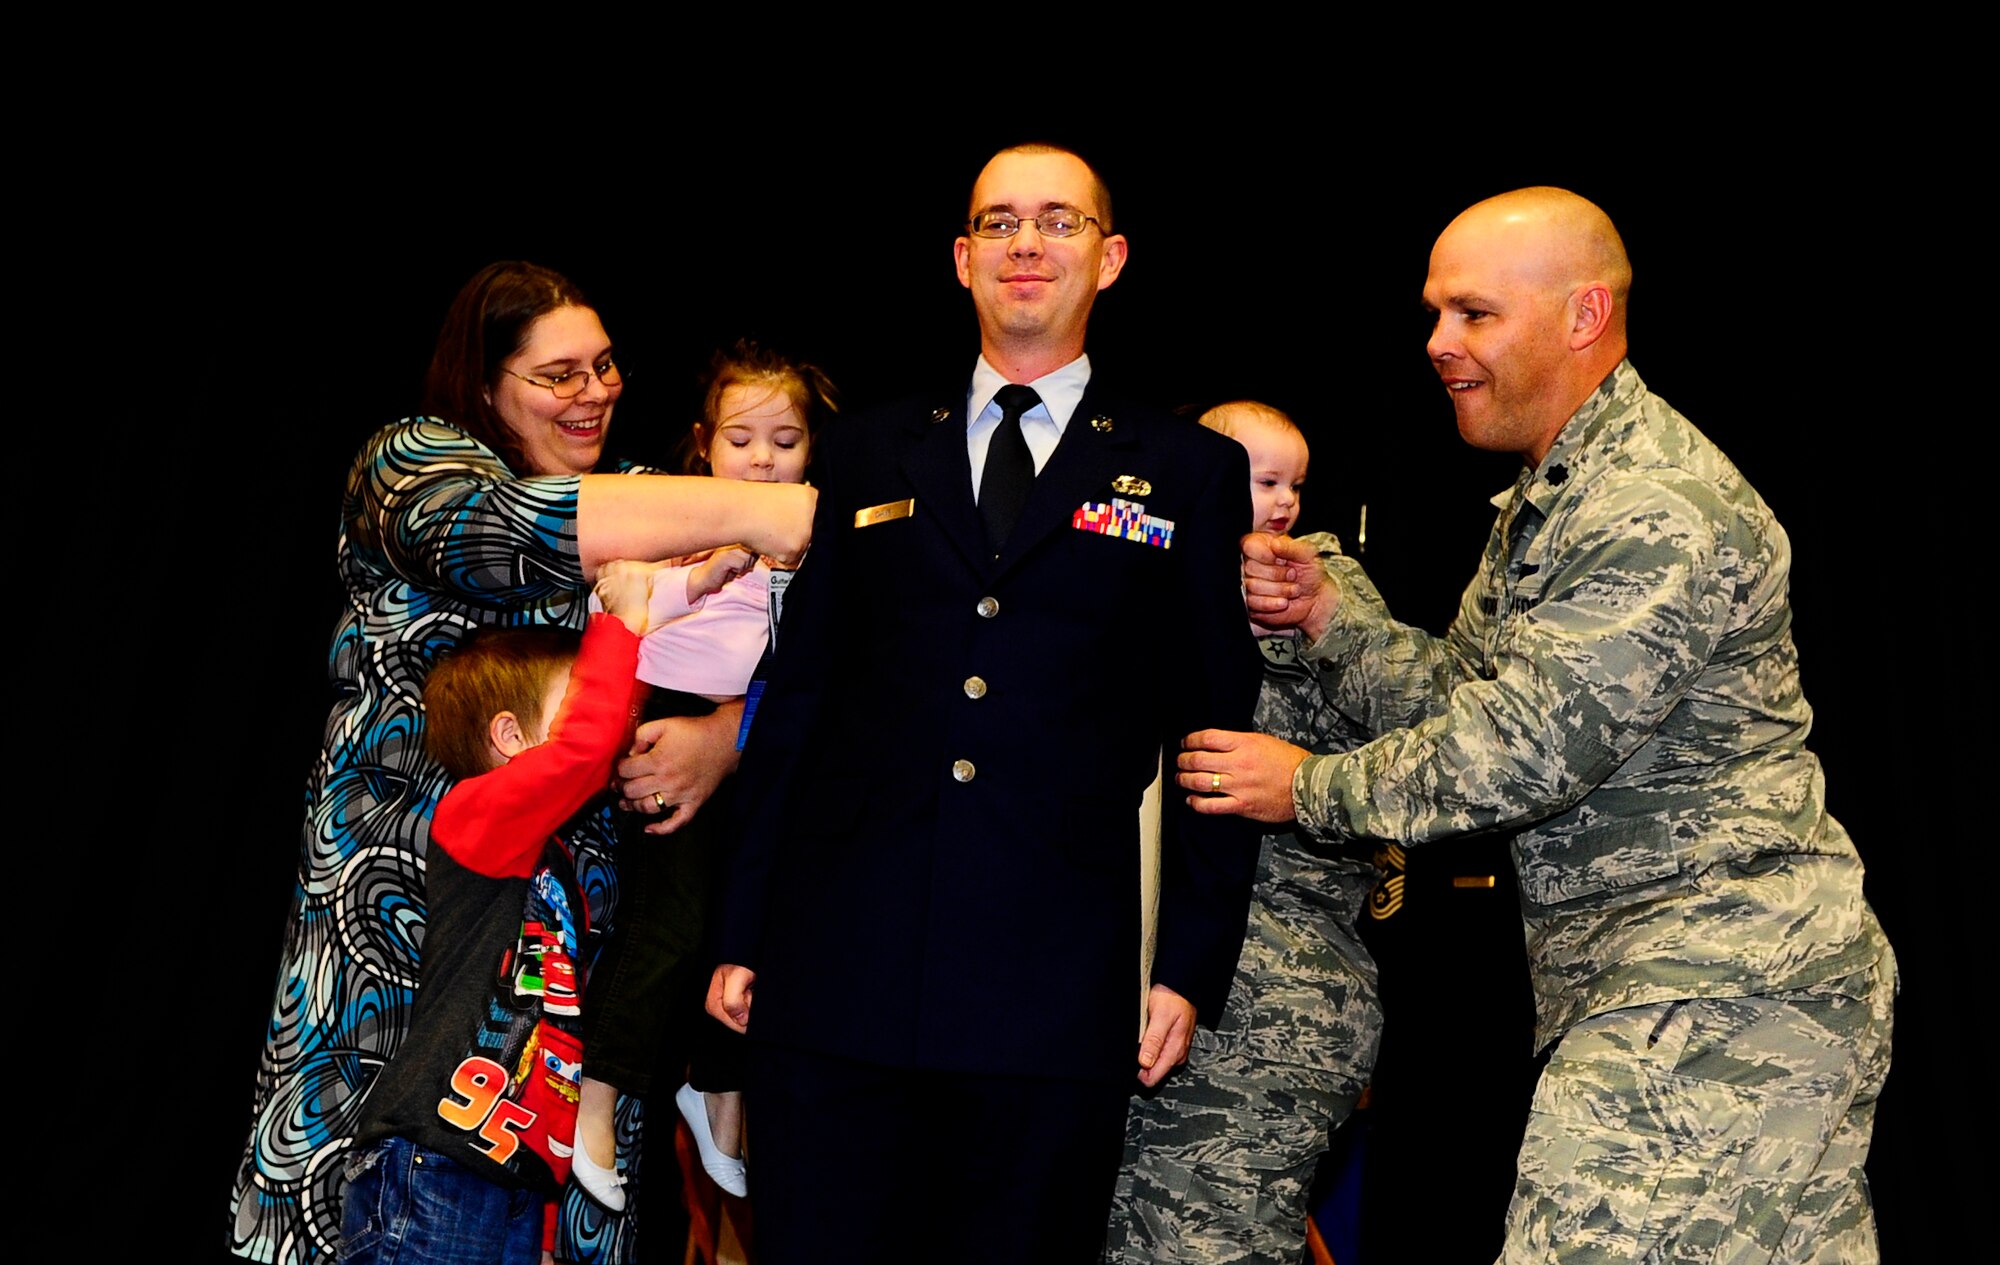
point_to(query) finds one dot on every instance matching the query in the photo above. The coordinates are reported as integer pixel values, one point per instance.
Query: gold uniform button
(962, 771)
(975, 687)
(988, 607)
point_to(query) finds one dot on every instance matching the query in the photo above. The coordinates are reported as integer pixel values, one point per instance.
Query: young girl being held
(758, 416)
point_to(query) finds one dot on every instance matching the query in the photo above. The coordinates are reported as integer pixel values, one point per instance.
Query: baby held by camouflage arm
(1219, 1161)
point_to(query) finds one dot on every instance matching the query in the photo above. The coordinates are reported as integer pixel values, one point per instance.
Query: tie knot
(1015, 400)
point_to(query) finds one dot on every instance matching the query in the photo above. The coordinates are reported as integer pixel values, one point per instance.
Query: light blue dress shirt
(1042, 425)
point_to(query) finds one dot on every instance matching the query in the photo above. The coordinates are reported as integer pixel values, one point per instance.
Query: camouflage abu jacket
(1305, 993)
(1620, 690)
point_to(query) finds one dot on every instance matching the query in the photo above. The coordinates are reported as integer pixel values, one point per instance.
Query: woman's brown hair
(487, 323)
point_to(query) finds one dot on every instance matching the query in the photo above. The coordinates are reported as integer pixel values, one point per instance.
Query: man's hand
(1246, 774)
(1284, 585)
(729, 995)
(1169, 1028)
(676, 763)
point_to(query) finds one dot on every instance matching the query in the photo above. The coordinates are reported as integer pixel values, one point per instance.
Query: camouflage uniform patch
(1219, 1160)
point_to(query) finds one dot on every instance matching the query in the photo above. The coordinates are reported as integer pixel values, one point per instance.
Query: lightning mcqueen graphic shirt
(489, 1073)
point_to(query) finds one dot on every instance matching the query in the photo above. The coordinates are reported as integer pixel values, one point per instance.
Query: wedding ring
(1214, 783)
(660, 801)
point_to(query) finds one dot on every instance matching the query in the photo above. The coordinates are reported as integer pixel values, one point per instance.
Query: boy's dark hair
(496, 670)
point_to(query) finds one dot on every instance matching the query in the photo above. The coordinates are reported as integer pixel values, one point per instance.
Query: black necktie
(1010, 467)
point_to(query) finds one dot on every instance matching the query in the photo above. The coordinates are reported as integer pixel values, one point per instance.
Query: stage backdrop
(1273, 256)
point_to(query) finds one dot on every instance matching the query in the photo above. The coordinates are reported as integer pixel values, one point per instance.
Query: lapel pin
(938, 415)
(1101, 424)
(1131, 485)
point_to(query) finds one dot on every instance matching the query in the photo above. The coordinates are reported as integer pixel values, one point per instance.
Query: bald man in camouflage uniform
(1621, 691)
(1220, 1159)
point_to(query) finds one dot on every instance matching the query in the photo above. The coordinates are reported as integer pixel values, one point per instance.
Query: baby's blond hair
(1231, 417)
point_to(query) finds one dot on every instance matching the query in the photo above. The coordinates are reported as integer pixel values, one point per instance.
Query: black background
(1785, 257)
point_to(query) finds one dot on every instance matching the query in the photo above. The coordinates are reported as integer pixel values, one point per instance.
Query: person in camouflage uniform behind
(1621, 692)
(1219, 1160)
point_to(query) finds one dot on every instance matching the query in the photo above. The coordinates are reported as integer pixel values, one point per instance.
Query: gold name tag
(883, 513)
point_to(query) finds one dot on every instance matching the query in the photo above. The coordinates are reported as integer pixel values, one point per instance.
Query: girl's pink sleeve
(714, 648)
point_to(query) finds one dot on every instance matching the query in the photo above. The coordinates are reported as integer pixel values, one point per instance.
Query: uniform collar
(1061, 391)
(1597, 428)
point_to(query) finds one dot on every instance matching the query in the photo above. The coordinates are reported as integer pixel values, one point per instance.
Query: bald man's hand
(1246, 774)
(1284, 585)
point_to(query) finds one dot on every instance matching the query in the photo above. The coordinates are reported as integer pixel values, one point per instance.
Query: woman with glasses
(488, 511)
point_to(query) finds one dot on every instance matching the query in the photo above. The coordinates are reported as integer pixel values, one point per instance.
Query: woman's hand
(659, 516)
(676, 764)
(787, 526)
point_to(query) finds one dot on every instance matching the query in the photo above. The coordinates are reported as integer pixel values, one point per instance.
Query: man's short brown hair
(1098, 189)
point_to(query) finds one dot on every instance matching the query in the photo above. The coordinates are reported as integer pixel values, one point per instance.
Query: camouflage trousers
(1726, 1129)
(1219, 1161)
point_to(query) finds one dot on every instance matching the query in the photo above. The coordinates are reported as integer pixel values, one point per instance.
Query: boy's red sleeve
(495, 824)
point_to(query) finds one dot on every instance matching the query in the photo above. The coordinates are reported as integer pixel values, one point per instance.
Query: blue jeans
(408, 1205)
